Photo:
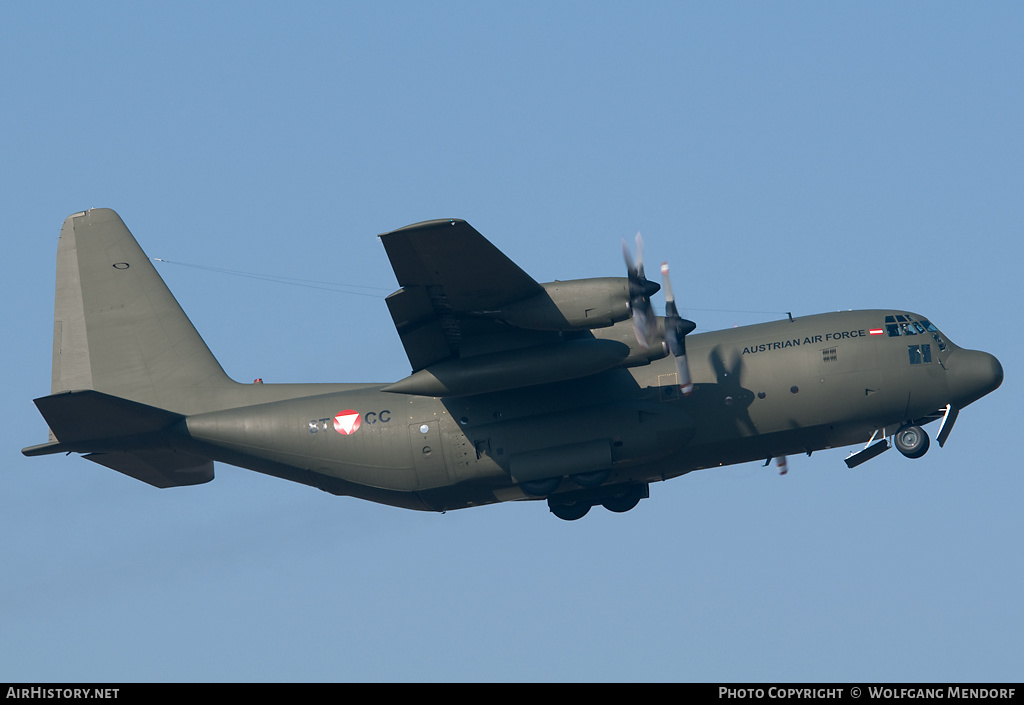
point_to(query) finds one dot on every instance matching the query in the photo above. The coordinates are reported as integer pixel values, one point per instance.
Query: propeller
(641, 289)
(781, 462)
(676, 329)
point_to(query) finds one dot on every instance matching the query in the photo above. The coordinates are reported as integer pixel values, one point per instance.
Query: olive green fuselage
(761, 391)
(518, 390)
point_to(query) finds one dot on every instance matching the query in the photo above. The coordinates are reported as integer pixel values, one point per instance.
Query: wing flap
(420, 327)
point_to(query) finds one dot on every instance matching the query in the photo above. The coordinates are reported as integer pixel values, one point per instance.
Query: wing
(456, 313)
(452, 255)
(451, 276)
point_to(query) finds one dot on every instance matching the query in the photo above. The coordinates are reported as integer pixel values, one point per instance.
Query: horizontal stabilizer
(135, 439)
(87, 415)
(160, 468)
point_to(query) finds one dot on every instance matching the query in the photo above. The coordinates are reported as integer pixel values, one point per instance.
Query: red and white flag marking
(347, 422)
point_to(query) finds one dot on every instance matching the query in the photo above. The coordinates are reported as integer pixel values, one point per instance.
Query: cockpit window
(904, 324)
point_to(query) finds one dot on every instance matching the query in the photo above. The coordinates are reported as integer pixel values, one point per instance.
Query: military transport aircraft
(572, 391)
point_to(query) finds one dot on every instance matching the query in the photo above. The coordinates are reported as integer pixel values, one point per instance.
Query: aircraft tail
(128, 365)
(117, 329)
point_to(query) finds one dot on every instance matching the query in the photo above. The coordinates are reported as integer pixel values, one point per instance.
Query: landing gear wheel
(912, 441)
(625, 501)
(570, 512)
(540, 488)
(591, 479)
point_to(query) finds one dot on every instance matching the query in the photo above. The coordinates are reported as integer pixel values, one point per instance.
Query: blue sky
(790, 156)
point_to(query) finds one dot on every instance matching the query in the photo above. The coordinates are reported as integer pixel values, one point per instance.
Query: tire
(625, 501)
(570, 512)
(592, 479)
(541, 488)
(912, 441)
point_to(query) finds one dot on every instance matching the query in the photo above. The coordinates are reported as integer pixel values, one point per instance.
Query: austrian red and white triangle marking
(347, 422)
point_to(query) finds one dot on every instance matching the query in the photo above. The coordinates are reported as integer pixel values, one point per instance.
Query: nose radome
(972, 374)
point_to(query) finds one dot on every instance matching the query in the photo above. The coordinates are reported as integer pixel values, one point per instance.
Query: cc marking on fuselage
(349, 421)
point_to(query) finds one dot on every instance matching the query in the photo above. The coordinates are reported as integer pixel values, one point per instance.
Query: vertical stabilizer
(117, 328)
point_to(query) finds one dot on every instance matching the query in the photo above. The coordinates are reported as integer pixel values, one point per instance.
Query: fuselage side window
(920, 354)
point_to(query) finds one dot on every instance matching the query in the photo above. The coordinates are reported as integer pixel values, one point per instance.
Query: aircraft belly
(569, 441)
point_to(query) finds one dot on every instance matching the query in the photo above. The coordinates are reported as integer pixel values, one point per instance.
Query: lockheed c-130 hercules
(573, 392)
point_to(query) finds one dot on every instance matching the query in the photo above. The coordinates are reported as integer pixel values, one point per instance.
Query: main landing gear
(617, 498)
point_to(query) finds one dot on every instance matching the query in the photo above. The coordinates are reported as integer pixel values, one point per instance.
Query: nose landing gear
(912, 441)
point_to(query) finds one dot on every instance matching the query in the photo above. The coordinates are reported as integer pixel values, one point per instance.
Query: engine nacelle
(623, 332)
(576, 304)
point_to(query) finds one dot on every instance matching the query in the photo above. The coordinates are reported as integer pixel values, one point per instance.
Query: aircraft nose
(971, 375)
